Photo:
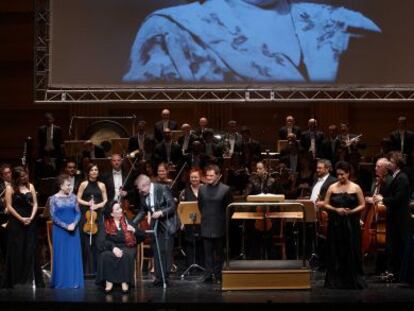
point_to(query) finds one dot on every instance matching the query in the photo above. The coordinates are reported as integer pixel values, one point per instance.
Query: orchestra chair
(143, 249)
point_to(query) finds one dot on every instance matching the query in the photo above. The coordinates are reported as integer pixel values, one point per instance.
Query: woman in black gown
(117, 241)
(91, 196)
(344, 201)
(22, 267)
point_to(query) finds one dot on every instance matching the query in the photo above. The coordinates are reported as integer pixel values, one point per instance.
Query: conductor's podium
(266, 274)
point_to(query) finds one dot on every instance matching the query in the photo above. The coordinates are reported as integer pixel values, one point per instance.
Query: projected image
(230, 43)
(245, 41)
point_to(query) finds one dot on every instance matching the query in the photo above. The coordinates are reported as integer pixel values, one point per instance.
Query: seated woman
(117, 241)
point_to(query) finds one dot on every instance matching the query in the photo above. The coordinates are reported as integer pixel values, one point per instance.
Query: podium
(266, 274)
(189, 214)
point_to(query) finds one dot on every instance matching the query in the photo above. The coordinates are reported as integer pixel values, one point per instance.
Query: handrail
(269, 204)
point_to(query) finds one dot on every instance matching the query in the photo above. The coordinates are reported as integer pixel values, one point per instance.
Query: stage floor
(191, 295)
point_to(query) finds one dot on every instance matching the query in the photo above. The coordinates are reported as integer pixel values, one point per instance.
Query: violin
(90, 227)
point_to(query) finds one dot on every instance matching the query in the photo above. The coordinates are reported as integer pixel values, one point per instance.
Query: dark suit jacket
(160, 153)
(329, 181)
(57, 140)
(108, 180)
(99, 153)
(212, 202)
(283, 132)
(398, 206)
(305, 141)
(180, 141)
(133, 142)
(163, 201)
(159, 131)
(326, 149)
(408, 141)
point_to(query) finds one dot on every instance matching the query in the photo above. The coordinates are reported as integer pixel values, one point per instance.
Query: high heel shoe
(125, 288)
(108, 288)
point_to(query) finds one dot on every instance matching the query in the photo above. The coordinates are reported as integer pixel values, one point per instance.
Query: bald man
(311, 140)
(163, 124)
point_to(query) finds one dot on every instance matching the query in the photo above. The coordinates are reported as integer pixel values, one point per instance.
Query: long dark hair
(17, 172)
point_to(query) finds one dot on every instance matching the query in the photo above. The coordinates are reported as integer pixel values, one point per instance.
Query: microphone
(134, 153)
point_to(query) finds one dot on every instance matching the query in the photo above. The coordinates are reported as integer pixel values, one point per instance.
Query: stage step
(266, 274)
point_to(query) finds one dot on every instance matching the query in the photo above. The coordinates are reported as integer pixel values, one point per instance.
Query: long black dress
(344, 256)
(89, 249)
(22, 268)
(110, 267)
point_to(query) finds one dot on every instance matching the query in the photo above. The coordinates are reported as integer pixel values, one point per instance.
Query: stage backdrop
(168, 43)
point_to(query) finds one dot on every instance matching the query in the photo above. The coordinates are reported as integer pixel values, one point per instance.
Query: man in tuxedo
(213, 198)
(50, 140)
(156, 201)
(402, 139)
(138, 141)
(232, 140)
(331, 144)
(311, 140)
(74, 177)
(397, 201)
(289, 128)
(251, 149)
(163, 124)
(290, 154)
(186, 140)
(202, 126)
(117, 186)
(322, 183)
(167, 150)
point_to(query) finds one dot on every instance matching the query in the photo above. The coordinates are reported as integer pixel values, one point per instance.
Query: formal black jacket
(133, 142)
(329, 181)
(159, 130)
(108, 180)
(397, 202)
(283, 132)
(408, 141)
(180, 141)
(163, 201)
(160, 153)
(329, 148)
(57, 140)
(305, 141)
(212, 202)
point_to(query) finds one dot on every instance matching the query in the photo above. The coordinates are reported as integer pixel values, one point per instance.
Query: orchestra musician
(397, 201)
(163, 124)
(402, 139)
(140, 140)
(289, 128)
(50, 140)
(202, 126)
(330, 144)
(311, 140)
(74, 178)
(167, 150)
(186, 140)
(117, 186)
(92, 197)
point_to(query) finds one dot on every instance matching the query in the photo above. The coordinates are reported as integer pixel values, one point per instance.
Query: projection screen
(141, 43)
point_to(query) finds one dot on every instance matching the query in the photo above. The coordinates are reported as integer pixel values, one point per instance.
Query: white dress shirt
(317, 188)
(117, 177)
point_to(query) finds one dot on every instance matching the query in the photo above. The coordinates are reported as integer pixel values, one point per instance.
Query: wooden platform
(266, 274)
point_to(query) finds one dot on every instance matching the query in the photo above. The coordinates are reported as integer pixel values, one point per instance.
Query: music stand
(190, 215)
(119, 145)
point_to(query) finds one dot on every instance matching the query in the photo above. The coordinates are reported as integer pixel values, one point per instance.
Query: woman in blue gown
(67, 257)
